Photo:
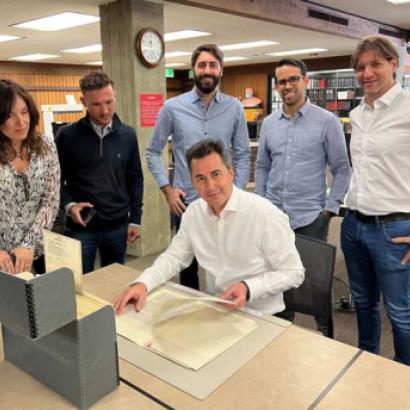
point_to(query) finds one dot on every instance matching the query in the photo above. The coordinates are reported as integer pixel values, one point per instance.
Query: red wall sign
(150, 105)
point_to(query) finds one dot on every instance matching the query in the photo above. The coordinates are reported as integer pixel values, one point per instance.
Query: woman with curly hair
(29, 182)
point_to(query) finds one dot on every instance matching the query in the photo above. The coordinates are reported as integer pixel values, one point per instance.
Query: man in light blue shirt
(297, 145)
(201, 113)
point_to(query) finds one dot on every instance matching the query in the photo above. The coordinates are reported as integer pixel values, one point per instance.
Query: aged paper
(88, 303)
(186, 330)
(64, 252)
(25, 275)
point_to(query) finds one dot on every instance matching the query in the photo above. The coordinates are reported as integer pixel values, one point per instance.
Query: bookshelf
(335, 90)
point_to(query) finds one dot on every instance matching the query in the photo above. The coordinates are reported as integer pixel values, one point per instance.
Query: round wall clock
(150, 47)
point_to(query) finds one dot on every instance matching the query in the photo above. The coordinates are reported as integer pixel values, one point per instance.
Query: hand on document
(136, 293)
(235, 293)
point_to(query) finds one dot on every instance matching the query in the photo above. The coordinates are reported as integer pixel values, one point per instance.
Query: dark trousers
(111, 244)
(188, 276)
(318, 229)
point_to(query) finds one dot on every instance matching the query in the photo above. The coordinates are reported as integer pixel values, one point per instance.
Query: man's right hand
(136, 293)
(6, 264)
(75, 212)
(175, 198)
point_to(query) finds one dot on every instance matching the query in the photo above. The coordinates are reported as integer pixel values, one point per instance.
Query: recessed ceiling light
(251, 44)
(399, 1)
(4, 38)
(58, 22)
(83, 50)
(95, 63)
(33, 57)
(228, 59)
(177, 54)
(296, 52)
(175, 65)
(179, 35)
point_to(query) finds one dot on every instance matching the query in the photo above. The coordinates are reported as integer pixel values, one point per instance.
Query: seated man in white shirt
(243, 241)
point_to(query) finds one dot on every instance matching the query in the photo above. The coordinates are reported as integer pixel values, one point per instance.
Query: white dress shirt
(380, 151)
(251, 241)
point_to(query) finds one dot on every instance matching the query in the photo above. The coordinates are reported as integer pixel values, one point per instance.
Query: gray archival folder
(39, 306)
(203, 382)
(42, 336)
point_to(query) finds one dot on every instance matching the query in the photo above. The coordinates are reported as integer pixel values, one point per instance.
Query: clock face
(151, 47)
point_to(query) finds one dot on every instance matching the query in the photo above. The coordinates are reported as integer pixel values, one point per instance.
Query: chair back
(314, 296)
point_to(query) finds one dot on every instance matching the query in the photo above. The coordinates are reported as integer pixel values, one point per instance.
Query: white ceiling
(397, 15)
(226, 29)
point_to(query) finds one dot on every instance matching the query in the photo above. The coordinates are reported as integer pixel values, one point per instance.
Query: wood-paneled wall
(49, 89)
(236, 79)
(235, 84)
(47, 84)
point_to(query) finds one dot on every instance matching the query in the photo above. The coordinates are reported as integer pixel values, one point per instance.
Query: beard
(208, 86)
(292, 99)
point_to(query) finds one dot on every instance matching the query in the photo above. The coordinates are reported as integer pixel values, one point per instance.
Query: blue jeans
(374, 268)
(111, 244)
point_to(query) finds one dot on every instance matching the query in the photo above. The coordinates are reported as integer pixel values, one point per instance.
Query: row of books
(332, 82)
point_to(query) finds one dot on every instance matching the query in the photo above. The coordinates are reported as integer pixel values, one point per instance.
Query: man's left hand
(133, 233)
(237, 294)
(403, 239)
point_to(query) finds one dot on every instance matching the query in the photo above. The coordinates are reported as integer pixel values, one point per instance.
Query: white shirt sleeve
(278, 245)
(178, 256)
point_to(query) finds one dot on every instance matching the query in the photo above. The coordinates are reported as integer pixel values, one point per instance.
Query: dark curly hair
(95, 80)
(9, 91)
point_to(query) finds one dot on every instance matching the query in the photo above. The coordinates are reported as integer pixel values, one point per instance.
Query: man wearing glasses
(296, 146)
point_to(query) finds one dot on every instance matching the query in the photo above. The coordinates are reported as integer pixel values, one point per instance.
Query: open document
(63, 252)
(184, 328)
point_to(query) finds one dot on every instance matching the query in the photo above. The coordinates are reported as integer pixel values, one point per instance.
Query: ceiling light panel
(58, 22)
(84, 50)
(180, 35)
(4, 38)
(238, 58)
(251, 44)
(33, 57)
(177, 54)
(175, 65)
(297, 52)
(95, 63)
(399, 1)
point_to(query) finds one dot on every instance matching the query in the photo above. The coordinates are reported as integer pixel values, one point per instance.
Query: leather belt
(380, 219)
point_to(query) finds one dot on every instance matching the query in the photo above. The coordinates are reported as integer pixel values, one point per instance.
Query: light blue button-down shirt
(186, 119)
(292, 161)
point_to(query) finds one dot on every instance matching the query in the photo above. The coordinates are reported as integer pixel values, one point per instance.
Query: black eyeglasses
(291, 80)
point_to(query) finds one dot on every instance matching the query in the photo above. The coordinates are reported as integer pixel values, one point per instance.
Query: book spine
(31, 309)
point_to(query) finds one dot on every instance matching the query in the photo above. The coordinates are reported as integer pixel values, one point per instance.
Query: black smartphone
(87, 214)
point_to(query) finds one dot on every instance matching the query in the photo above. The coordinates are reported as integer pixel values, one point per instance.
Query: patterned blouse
(29, 201)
